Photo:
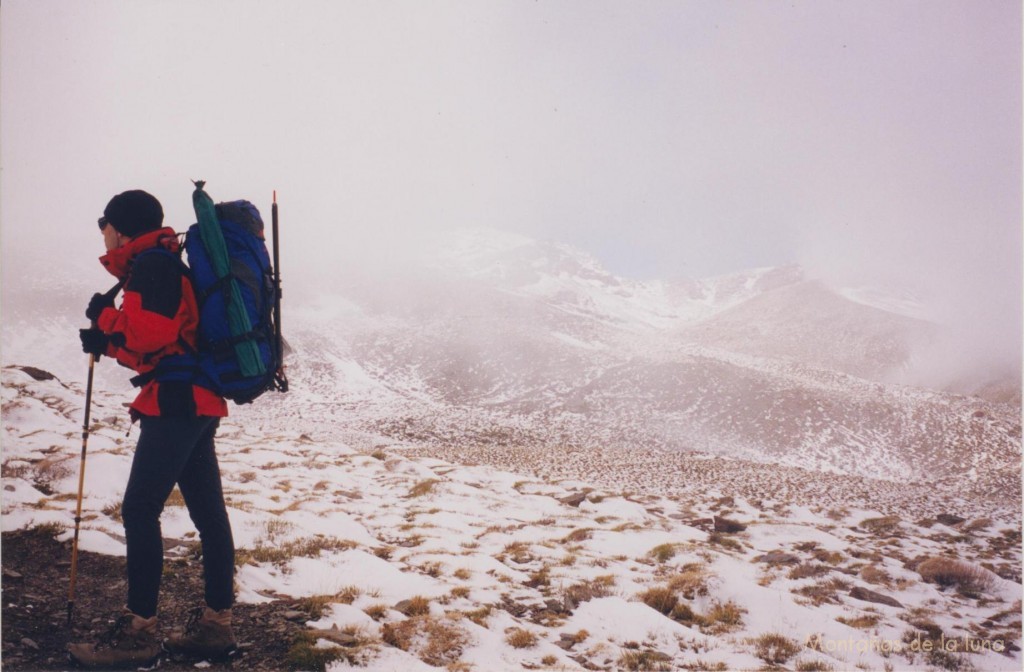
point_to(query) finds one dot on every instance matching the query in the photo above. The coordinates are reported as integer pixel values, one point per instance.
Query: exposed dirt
(36, 572)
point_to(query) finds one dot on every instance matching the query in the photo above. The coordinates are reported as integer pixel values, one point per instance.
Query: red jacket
(158, 317)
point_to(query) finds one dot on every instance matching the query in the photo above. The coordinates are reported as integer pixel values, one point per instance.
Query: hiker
(158, 318)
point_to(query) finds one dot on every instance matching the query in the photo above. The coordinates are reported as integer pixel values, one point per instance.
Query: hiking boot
(130, 642)
(207, 635)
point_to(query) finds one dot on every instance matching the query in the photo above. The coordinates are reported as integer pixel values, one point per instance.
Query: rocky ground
(388, 560)
(36, 570)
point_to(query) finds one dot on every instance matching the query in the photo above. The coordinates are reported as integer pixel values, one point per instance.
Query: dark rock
(574, 499)
(949, 520)
(29, 644)
(778, 558)
(728, 526)
(557, 606)
(866, 595)
(336, 636)
(37, 374)
(704, 524)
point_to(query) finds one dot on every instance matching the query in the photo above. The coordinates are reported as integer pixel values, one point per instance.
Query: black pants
(176, 450)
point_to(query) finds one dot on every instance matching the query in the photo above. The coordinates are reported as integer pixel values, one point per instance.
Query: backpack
(239, 346)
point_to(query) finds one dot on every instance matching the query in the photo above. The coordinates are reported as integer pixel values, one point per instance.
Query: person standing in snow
(158, 317)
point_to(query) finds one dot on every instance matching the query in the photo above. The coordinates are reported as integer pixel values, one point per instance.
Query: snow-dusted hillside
(417, 562)
(503, 341)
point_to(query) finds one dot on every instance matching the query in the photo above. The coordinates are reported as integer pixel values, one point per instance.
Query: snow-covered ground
(423, 562)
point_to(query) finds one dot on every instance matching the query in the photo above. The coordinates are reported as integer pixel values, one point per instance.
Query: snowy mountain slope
(415, 562)
(559, 275)
(505, 341)
(816, 326)
(453, 364)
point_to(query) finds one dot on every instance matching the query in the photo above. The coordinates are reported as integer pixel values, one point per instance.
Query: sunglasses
(103, 223)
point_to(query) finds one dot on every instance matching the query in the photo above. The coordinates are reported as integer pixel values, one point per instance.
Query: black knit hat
(134, 213)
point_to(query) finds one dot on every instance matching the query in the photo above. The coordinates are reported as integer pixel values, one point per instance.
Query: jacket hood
(119, 260)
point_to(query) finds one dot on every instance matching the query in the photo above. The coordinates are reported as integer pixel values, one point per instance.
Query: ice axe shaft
(279, 377)
(81, 468)
(81, 487)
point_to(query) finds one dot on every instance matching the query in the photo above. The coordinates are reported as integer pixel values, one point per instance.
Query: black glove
(94, 341)
(96, 305)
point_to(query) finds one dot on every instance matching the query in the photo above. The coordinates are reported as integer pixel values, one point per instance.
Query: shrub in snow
(774, 648)
(660, 599)
(423, 488)
(663, 552)
(521, 638)
(578, 593)
(691, 582)
(883, 525)
(435, 641)
(968, 579)
(645, 660)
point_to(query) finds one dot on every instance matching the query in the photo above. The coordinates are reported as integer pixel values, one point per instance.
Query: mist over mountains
(503, 340)
(507, 341)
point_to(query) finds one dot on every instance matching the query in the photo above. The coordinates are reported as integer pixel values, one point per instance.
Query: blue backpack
(239, 346)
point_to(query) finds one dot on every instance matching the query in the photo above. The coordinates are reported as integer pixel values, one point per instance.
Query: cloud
(871, 142)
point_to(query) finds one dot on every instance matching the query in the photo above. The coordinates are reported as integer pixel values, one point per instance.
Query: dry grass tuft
(423, 488)
(876, 575)
(813, 666)
(520, 638)
(691, 582)
(864, 622)
(661, 599)
(724, 617)
(479, 616)
(377, 611)
(807, 570)
(280, 554)
(882, 525)
(578, 593)
(434, 641)
(967, 578)
(415, 606)
(775, 649)
(576, 536)
(175, 498)
(304, 654)
(662, 553)
(645, 660)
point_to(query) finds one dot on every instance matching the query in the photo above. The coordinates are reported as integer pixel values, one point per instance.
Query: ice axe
(81, 469)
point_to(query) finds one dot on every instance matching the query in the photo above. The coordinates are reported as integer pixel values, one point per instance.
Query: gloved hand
(96, 305)
(94, 341)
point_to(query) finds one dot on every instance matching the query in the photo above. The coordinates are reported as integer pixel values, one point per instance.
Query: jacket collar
(119, 260)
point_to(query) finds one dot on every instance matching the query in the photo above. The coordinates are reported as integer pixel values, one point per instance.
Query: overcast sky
(871, 140)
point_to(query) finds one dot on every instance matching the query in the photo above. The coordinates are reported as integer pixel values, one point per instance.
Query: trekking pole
(280, 378)
(81, 468)
(81, 486)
